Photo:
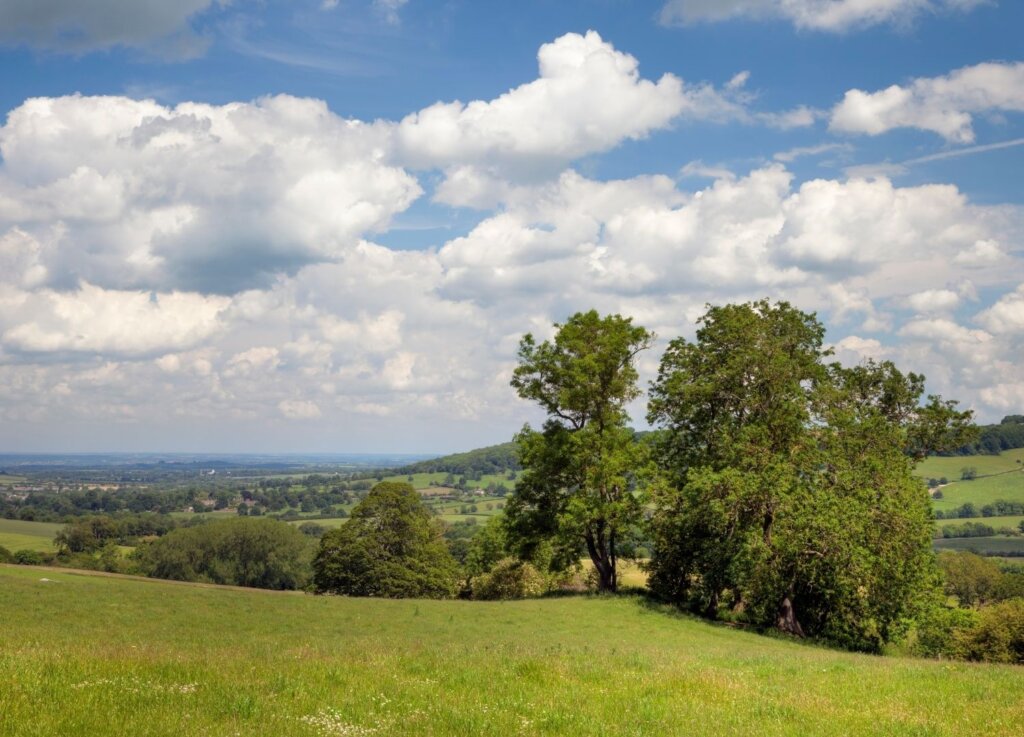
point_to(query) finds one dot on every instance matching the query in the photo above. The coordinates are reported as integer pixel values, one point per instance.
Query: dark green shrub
(509, 579)
(997, 636)
(29, 558)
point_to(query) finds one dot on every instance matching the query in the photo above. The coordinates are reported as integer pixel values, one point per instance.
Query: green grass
(995, 546)
(1000, 478)
(994, 522)
(88, 655)
(950, 467)
(18, 535)
(7, 479)
(422, 481)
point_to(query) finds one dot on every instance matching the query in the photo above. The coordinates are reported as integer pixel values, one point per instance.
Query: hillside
(493, 459)
(194, 660)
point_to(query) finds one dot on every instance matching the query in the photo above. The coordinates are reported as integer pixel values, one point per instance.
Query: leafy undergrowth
(92, 655)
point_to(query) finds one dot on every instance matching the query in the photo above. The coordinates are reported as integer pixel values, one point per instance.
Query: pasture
(998, 545)
(7, 479)
(1000, 477)
(102, 655)
(20, 535)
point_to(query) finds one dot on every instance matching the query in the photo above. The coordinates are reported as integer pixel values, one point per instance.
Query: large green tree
(391, 546)
(788, 485)
(577, 484)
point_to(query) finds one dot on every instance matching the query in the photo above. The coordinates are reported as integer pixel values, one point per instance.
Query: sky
(325, 225)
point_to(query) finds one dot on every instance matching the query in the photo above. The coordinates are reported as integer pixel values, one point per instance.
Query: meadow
(1000, 477)
(20, 535)
(997, 545)
(101, 655)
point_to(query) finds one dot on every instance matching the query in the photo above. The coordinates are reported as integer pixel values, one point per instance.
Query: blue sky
(323, 226)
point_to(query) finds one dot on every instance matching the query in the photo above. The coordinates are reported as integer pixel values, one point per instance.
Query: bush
(509, 579)
(241, 551)
(938, 630)
(29, 558)
(997, 636)
(5, 555)
(312, 529)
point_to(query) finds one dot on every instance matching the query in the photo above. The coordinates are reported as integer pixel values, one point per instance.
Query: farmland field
(195, 660)
(1000, 477)
(994, 522)
(19, 535)
(997, 545)
(7, 479)
(422, 481)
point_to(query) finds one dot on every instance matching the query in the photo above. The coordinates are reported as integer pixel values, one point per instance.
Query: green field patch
(427, 481)
(950, 466)
(195, 660)
(998, 545)
(1012, 521)
(20, 535)
(7, 479)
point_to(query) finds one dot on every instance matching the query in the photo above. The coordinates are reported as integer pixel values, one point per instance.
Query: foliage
(5, 555)
(939, 630)
(390, 547)
(971, 578)
(997, 636)
(240, 551)
(29, 558)
(788, 481)
(494, 459)
(509, 579)
(577, 486)
(993, 439)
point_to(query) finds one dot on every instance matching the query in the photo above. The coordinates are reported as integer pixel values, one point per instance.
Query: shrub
(29, 558)
(5, 555)
(938, 630)
(242, 551)
(997, 636)
(509, 579)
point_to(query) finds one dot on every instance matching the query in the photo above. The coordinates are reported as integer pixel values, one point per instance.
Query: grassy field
(422, 481)
(88, 655)
(7, 479)
(996, 545)
(1000, 477)
(994, 522)
(18, 535)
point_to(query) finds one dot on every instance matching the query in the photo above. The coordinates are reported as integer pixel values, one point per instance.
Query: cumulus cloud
(298, 409)
(944, 105)
(588, 98)
(87, 25)
(1006, 315)
(816, 15)
(95, 320)
(130, 194)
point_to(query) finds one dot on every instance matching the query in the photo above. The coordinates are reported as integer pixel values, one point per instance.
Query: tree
(577, 482)
(390, 547)
(787, 480)
(241, 551)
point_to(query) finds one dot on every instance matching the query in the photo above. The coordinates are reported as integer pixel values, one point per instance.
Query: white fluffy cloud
(588, 98)
(131, 194)
(816, 15)
(84, 25)
(944, 105)
(1006, 315)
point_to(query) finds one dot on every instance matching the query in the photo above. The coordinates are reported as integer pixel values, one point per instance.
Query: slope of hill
(493, 459)
(88, 655)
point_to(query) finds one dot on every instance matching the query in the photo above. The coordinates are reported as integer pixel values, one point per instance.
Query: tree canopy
(787, 480)
(390, 547)
(577, 485)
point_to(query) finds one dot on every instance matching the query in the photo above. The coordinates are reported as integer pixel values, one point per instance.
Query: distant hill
(494, 459)
(994, 439)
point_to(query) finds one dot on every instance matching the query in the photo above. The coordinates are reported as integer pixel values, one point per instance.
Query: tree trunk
(711, 611)
(787, 621)
(604, 564)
